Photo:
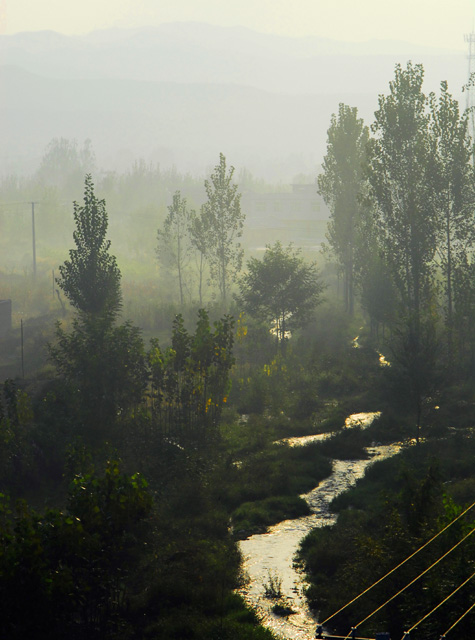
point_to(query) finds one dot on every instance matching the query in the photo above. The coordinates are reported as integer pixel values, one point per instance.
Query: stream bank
(269, 556)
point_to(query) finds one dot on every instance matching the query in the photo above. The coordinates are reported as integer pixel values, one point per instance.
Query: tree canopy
(90, 279)
(401, 188)
(223, 218)
(103, 362)
(281, 289)
(340, 185)
(174, 242)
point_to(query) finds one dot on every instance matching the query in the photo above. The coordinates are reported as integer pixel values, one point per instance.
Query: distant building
(5, 317)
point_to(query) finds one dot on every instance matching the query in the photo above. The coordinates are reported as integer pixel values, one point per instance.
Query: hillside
(182, 92)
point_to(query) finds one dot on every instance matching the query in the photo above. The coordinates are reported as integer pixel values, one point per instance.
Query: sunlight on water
(272, 553)
(361, 420)
(383, 362)
(303, 440)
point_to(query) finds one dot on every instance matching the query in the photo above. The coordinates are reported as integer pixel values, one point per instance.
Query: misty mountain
(171, 123)
(194, 52)
(182, 92)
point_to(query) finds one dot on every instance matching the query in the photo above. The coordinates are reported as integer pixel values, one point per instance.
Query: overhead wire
(441, 603)
(457, 621)
(414, 580)
(399, 565)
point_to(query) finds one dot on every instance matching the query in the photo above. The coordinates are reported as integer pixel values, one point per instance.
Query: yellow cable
(461, 618)
(399, 565)
(441, 603)
(415, 579)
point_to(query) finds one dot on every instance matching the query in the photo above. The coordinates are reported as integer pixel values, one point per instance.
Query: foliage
(199, 233)
(281, 289)
(414, 376)
(103, 363)
(174, 245)
(378, 294)
(273, 587)
(67, 572)
(453, 181)
(464, 314)
(401, 188)
(341, 185)
(190, 380)
(252, 517)
(223, 219)
(391, 512)
(347, 444)
(64, 165)
(90, 279)
(105, 367)
(272, 471)
(16, 417)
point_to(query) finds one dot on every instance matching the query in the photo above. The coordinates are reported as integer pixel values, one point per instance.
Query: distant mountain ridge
(195, 52)
(190, 90)
(237, 39)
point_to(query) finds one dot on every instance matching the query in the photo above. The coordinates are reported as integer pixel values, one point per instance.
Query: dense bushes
(399, 504)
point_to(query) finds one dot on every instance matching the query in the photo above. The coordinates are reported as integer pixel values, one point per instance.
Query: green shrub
(256, 516)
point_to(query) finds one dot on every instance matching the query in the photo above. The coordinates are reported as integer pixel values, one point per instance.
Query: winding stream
(272, 553)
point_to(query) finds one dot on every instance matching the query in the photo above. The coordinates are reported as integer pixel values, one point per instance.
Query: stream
(272, 553)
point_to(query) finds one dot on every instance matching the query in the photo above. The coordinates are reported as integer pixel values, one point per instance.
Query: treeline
(399, 506)
(148, 455)
(211, 237)
(402, 196)
(140, 456)
(137, 200)
(402, 200)
(124, 446)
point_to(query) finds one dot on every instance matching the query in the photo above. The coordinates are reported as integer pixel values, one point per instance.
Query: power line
(413, 581)
(457, 621)
(7, 204)
(441, 603)
(399, 565)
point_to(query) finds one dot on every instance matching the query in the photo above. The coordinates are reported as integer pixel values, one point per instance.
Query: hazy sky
(430, 22)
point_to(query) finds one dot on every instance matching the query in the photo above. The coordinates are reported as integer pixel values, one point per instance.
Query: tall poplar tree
(401, 188)
(340, 185)
(223, 218)
(174, 244)
(453, 187)
(90, 279)
(102, 362)
(199, 233)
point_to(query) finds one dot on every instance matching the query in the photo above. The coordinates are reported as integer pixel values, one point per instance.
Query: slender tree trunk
(449, 287)
(351, 297)
(222, 269)
(419, 415)
(346, 290)
(201, 279)
(179, 268)
(282, 334)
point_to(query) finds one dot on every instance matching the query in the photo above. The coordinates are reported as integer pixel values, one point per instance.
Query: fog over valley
(179, 93)
(237, 320)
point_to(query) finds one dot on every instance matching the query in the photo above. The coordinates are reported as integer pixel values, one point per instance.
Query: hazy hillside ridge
(181, 92)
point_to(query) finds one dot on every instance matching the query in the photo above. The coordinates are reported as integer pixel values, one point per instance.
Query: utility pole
(33, 230)
(22, 354)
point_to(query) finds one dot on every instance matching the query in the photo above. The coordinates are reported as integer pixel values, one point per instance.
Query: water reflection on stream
(272, 553)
